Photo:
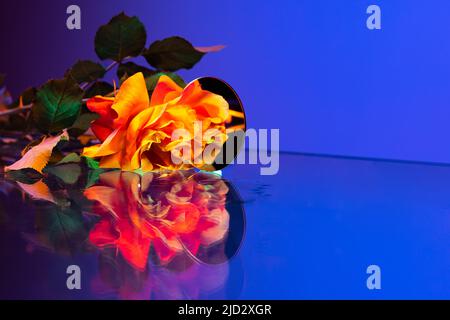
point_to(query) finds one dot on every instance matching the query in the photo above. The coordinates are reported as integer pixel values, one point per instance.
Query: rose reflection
(159, 235)
(155, 230)
(174, 213)
(182, 278)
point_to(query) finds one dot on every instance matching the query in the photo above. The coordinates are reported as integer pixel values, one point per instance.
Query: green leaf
(27, 176)
(85, 71)
(153, 80)
(68, 173)
(60, 229)
(93, 176)
(72, 157)
(82, 123)
(130, 68)
(100, 88)
(122, 37)
(91, 163)
(57, 105)
(172, 54)
(94, 171)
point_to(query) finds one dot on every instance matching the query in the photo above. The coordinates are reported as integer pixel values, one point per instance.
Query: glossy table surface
(309, 232)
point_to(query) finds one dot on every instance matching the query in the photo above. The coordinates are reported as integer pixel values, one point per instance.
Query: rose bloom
(135, 130)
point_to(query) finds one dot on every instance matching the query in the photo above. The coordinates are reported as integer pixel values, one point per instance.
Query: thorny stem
(16, 110)
(83, 87)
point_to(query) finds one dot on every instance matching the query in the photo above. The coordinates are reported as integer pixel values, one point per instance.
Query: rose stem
(83, 87)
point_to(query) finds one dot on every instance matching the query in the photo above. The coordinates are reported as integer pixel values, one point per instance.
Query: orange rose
(136, 131)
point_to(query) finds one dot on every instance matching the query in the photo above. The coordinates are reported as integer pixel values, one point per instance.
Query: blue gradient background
(310, 68)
